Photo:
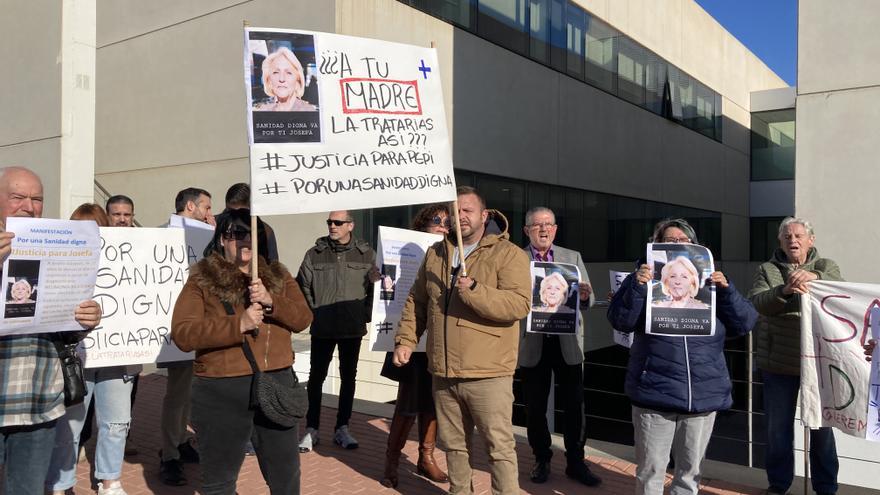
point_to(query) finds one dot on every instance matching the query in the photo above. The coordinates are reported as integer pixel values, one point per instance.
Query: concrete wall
(48, 97)
(837, 174)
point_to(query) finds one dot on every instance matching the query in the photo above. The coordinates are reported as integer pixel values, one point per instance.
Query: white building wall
(837, 173)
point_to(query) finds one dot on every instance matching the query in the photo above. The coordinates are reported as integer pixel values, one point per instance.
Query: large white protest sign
(197, 236)
(49, 272)
(400, 255)
(141, 274)
(835, 320)
(555, 307)
(338, 122)
(681, 300)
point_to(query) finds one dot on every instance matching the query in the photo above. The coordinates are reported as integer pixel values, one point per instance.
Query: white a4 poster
(399, 255)
(681, 298)
(142, 272)
(339, 122)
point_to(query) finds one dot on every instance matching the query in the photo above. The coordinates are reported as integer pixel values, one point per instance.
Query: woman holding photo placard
(414, 396)
(235, 325)
(676, 384)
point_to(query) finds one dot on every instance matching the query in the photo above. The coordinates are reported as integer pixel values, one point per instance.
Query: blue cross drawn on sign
(424, 70)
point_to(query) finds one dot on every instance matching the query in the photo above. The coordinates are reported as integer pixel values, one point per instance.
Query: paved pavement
(331, 470)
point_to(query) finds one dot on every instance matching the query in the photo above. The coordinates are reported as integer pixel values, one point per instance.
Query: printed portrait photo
(21, 289)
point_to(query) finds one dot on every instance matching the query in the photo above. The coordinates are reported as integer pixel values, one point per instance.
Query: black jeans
(322, 354)
(570, 395)
(224, 423)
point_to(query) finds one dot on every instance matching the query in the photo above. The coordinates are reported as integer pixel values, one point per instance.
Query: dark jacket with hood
(201, 323)
(472, 333)
(334, 279)
(679, 374)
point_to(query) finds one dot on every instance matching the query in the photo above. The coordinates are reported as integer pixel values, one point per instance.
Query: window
(504, 22)
(457, 12)
(773, 145)
(763, 239)
(539, 30)
(631, 61)
(601, 55)
(575, 23)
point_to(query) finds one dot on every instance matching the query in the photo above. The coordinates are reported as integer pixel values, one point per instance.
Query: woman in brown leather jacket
(218, 308)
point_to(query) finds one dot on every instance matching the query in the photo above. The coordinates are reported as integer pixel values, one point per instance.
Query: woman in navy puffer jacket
(676, 384)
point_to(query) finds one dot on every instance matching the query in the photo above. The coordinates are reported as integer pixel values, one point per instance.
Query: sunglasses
(440, 221)
(238, 235)
(338, 223)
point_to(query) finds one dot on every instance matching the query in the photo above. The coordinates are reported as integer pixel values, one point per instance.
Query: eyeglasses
(539, 226)
(440, 221)
(338, 223)
(238, 235)
(676, 240)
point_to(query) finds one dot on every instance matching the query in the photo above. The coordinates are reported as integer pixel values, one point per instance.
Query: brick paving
(331, 470)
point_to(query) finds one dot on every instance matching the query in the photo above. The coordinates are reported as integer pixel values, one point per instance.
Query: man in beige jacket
(472, 322)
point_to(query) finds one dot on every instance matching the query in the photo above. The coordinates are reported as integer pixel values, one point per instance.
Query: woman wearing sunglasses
(218, 310)
(414, 397)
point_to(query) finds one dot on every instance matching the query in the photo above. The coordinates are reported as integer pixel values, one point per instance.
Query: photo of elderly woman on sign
(284, 82)
(680, 283)
(553, 292)
(20, 292)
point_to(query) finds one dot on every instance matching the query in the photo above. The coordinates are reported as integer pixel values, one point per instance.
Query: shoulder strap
(248, 353)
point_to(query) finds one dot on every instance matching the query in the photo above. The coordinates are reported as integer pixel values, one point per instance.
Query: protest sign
(874, 389)
(49, 272)
(682, 302)
(620, 338)
(339, 122)
(555, 301)
(835, 378)
(197, 236)
(141, 274)
(400, 255)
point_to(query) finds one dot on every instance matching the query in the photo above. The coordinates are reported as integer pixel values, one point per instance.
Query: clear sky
(766, 27)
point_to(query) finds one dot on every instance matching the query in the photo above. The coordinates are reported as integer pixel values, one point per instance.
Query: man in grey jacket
(543, 355)
(336, 277)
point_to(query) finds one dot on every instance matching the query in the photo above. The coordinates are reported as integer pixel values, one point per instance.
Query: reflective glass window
(458, 12)
(773, 145)
(631, 61)
(601, 55)
(504, 22)
(575, 24)
(539, 30)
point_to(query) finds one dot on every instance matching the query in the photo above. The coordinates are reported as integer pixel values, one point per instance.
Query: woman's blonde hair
(553, 276)
(267, 71)
(689, 266)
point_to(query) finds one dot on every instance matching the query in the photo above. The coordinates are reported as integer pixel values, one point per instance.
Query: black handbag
(71, 370)
(281, 403)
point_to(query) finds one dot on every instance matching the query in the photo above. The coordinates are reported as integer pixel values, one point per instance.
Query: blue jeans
(25, 452)
(111, 388)
(780, 399)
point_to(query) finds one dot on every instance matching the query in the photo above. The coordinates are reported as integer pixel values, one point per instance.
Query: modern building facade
(615, 113)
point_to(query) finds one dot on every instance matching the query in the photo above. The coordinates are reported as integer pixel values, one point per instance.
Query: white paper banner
(835, 377)
(555, 305)
(681, 299)
(141, 274)
(399, 257)
(198, 236)
(49, 272)
(338, 122)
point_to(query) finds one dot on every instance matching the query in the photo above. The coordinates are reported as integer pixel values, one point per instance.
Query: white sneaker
(114, 489)
(309, 440)
(344, 439)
